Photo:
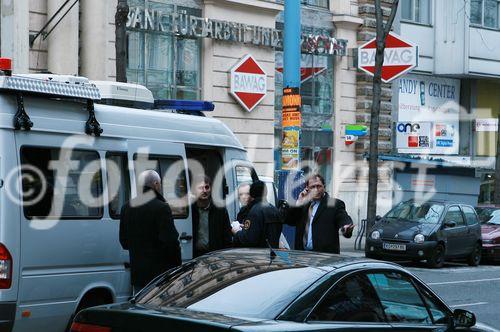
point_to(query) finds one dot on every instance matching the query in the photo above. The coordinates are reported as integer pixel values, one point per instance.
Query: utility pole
(121, 40)
(496, 197)
(382, 33)
(291, 116)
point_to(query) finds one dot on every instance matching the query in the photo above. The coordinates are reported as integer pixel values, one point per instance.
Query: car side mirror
(450, 224)
(464, 318)
(378, 218)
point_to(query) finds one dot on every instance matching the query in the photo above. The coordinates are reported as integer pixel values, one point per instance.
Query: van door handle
(185, 237)
(127, 265)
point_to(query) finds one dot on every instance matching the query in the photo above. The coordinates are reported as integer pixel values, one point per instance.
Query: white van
(59, 248)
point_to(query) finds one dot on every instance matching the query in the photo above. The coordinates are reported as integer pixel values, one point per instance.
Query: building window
(485, 13)
(418, 11)
(316, 3)
(312, 3)
(168, 65)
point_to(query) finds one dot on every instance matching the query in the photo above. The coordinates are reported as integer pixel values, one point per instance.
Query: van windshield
(426, 213)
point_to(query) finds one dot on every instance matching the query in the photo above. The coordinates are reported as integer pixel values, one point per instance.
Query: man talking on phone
(318, 218)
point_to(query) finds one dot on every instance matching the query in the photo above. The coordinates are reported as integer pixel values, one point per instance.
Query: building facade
(187, 50)
(453, 93)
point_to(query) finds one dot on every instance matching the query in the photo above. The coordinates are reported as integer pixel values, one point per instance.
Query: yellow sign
(292, 119)
(290, 149)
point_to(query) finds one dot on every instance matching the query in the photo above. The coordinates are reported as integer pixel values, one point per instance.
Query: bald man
(148, 232)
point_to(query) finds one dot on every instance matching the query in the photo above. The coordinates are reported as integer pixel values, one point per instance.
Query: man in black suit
(211, 224)
(148, 232)
(318, 218)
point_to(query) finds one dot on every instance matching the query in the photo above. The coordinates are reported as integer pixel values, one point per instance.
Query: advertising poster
(433, 104)
(290, 149)
(413, 135)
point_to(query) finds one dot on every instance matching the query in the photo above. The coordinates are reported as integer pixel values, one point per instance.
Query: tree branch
(392, 16)
(379, 17)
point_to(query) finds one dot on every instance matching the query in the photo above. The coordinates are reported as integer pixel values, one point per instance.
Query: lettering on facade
(186, 25)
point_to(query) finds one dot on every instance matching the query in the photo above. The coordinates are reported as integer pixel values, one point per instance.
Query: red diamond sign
(248, 82)
(400, 57)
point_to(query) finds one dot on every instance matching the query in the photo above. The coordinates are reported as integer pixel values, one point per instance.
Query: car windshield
(427, 213)
(487, 213)
(250, 288)
(495, 220)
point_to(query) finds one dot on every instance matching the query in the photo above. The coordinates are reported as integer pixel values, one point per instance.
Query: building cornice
(347, 21)
(257, 4)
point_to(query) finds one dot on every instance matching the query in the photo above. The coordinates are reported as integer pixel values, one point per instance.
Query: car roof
(323, 261)
(439, 201)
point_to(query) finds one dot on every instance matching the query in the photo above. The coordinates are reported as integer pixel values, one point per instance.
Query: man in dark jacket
(245, 199)
(211, 224)
(318, 218)
(148, 232)
(262, 225)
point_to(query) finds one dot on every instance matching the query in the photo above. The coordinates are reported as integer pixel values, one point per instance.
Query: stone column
(14, 37)
(94, 44)
(63, 42)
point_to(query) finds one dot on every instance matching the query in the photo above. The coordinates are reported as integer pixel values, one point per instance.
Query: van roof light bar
(184, 105)
(48, 87)
(20, 85)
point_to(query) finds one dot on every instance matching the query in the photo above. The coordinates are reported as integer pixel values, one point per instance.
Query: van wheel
(90, 300)
(436, 261)
(475, 256)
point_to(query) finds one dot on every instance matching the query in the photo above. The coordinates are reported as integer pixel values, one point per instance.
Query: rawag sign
(248, 82)
(400, 57)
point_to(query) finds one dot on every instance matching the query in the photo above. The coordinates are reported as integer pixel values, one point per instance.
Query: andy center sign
(248, 82)
(400, 57)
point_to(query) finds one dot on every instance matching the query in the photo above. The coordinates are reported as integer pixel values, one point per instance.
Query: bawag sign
(428, 116)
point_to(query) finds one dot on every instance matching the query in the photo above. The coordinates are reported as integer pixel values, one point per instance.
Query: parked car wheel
(436, 261)
(475, 256)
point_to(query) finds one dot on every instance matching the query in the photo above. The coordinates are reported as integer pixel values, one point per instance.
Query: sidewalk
(347, 247)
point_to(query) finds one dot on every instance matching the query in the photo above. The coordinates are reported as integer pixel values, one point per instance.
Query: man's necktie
(308, 223)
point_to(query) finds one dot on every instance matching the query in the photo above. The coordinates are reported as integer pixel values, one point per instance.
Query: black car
(434, 231)
(263, 290)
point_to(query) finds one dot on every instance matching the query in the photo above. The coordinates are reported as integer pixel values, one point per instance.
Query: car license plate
(394, 246)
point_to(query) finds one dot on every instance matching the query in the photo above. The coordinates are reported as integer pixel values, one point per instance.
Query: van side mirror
(464, 318)
(450, 224)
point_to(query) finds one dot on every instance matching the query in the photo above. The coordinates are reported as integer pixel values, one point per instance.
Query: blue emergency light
(184, 105)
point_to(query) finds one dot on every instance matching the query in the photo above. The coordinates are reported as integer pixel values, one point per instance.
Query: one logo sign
(400, 56)
(248, 82)
(408, 127)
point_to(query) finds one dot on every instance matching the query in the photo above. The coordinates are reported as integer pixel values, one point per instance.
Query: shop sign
(187, 25)
(400, 56)
(487, 125)
(434, 100)
(413, 135)
(248, 82)
(290, 149)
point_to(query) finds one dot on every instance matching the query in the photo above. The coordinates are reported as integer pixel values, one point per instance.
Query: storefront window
(486, 114)
(168, 65)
